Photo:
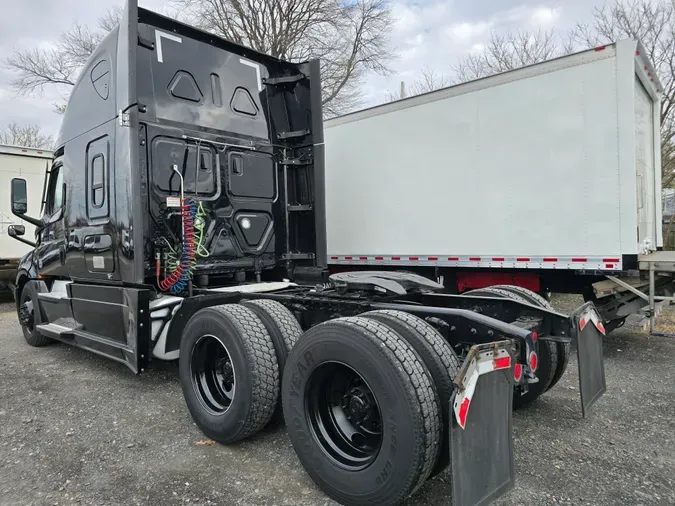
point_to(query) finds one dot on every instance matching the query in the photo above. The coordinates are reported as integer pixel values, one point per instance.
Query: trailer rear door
(645, 167)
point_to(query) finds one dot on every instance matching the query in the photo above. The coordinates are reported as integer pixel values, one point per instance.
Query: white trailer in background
(547, 177)
(29, 164)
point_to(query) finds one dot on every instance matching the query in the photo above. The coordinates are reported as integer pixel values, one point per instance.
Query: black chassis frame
(461, 319)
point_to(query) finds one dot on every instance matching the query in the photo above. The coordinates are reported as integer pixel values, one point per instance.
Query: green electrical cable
(200, 223)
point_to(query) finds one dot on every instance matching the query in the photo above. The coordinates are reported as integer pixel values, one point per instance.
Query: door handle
(62, 254)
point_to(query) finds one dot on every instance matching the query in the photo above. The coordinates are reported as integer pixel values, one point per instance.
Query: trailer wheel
(436, 353)
(361, 411)
(29, 316)
(547, 351)
(228, 372)
(563, 349)
(284, 330)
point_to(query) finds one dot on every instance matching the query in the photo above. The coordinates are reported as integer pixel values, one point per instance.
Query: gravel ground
(77, 428)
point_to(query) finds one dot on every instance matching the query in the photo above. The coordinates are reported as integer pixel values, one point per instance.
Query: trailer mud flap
(588, 331)
(481, 442)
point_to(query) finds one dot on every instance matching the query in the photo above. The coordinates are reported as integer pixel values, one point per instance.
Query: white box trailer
(29, 164)
(551, 161)
(554, 166)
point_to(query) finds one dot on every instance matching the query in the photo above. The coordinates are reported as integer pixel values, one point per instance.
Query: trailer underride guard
(183, 218)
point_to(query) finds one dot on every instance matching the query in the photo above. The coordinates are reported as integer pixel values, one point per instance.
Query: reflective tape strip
(593, 317)
(585, 263)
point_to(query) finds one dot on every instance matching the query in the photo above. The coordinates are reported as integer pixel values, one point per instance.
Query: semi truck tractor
(184, 219)
(546, 177)
(30, 164)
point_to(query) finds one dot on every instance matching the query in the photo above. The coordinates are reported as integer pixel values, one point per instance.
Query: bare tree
(429, 80)
(36, 68)
(504, 52)
(25, 135)
(350, 38)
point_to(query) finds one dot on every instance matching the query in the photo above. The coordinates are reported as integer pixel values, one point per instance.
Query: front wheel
(29, 315)
(362, 412)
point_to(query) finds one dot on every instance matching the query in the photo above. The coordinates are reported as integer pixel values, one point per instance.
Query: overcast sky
(428, 33)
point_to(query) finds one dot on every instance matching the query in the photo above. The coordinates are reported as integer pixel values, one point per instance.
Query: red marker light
(535, 336)
(501, 363)
(533, 361)
(517, 372)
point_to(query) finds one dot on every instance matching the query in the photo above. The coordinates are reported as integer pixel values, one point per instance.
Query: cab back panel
(230, 130)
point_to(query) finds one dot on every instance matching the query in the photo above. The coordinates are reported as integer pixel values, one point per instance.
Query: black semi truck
(183, 218)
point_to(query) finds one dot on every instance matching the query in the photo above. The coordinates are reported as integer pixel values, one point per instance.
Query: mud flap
(587, 330)
(481, 442)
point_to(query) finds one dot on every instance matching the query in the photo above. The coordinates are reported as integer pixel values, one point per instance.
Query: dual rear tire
(366, 399)
(552, 356)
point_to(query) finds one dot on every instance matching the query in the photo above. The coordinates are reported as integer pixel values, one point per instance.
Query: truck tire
(284, 330)
(361, 411)
(532, 297)
(30, 317)
(563, 349)
(547, 352)
(435, 352)
(282, 326)
(228, 372)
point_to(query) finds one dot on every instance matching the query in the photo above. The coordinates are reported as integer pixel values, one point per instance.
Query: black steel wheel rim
(213, 376)
(344, 415)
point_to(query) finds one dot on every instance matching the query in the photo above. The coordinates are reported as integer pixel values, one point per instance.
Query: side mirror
(19, 196)
(16, 230)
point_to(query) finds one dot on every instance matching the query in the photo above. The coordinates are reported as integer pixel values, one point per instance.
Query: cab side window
(54, 191)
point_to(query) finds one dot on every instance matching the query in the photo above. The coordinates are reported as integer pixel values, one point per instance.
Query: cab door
(51, 250)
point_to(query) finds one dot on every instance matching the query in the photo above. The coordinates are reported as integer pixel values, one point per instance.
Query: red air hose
(179, 275)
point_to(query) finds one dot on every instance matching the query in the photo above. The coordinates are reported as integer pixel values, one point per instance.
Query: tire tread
(287, 323)
(263, 361)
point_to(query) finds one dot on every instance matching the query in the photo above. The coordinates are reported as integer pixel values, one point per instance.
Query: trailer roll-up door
(645, 167)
